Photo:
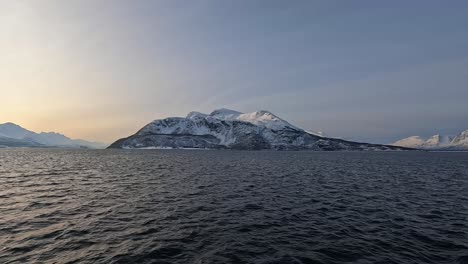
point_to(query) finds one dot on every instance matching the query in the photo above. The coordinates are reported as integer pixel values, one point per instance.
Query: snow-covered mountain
(459, 141)
(410, 142)
(12, 135)
(17, 143)
(229, 129)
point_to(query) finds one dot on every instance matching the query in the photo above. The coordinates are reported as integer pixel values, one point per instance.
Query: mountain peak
(230, 129)
(13, 130)
(18, 134)
(461, 140)
(265, 112)
(267, 119)
(410, 142)
(194, 114)
(9, 124)
(435, 142)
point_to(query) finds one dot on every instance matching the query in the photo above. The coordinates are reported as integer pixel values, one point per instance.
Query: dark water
(83, 206)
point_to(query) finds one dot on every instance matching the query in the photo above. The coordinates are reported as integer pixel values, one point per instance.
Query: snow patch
(435, 142)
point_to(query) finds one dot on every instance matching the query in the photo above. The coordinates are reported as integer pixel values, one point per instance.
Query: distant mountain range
(229, 129)
(225, 129)
(12, 135)
(436, 142)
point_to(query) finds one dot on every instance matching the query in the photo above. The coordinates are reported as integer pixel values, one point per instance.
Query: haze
(363, 70)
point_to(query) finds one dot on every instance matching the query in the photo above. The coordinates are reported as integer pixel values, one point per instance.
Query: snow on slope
(196, 115)
(260, 118)
(229, 129)
(316, 133)
(410, 142)
(461, 140)
(435, 142)
(14, 131)
(194, 125)
(197, 123)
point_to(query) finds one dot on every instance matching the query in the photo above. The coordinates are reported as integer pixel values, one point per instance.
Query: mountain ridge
(229, 129)
(436, 142)
(13, 135)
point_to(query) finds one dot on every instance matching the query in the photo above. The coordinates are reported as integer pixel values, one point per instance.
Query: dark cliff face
(205, 132)
(168, 141)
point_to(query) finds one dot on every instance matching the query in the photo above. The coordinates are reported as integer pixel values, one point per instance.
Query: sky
(371, 71)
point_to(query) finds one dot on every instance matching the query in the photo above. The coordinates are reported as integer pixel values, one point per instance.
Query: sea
(220, 206)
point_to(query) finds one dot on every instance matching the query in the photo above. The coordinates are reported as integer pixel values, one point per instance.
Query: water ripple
(122, 206)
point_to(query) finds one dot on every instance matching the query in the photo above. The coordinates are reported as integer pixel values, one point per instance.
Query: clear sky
(363, 70)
